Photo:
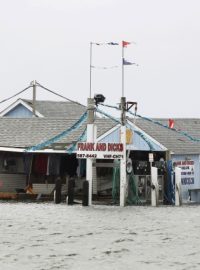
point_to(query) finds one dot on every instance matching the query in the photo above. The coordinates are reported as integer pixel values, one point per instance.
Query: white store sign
(100, 150)
(187, 171)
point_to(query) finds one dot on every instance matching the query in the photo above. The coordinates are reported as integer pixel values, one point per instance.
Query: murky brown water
(49, 236)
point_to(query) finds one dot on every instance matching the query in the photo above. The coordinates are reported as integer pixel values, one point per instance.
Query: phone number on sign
(104, 156)
(86, 155)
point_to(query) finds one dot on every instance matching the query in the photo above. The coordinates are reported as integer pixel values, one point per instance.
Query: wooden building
(19, 130)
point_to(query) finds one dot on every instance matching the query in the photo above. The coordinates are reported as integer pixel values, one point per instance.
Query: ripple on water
(128, 238)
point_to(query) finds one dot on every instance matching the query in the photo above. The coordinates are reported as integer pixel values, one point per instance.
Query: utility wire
(4, 100)
(51, 91)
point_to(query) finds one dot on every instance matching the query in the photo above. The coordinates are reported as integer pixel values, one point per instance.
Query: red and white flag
(125, 43)
(171, 123)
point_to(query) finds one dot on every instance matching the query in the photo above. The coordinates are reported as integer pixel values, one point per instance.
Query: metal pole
(122, 70)
(34, 97)
(90, 70)
(123, 111)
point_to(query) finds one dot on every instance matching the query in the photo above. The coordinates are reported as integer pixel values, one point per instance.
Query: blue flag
(106, 43)
(125, 62)
(112, 43)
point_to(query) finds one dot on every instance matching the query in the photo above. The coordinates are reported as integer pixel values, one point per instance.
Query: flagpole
(123, 181)
(122, 70)
(90, 69)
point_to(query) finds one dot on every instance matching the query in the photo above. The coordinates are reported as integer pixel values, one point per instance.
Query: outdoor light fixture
(99, 98)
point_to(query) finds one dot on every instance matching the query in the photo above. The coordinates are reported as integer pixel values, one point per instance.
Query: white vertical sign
(177, 186)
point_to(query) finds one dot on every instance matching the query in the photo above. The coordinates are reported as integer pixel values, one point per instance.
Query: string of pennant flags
(124, 45)
(97, 67)
(105, 43)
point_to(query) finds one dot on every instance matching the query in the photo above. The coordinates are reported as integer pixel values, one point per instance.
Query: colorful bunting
(108, 43)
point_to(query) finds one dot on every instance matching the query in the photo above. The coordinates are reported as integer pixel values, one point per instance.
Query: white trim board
(22, 150)
(108, 133)
(15, 104)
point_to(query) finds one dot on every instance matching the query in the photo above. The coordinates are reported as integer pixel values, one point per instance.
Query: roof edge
(16, 103)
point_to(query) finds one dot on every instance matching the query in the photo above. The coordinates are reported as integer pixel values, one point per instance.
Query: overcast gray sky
(48, 40)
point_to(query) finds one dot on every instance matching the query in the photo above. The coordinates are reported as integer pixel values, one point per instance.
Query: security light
(99, 98)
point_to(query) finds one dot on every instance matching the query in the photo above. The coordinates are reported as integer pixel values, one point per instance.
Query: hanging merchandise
(54, 164)
(27, 160)
(132, 198)
(116, 182)
(81, 169)
(68, 165)
(132, 195)
(40, 164)
(169, 194)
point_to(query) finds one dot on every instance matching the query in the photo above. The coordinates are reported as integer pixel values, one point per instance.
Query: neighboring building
(23, 108)
(185, 152)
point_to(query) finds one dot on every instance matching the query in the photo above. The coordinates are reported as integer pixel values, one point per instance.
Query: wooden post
(34, 98)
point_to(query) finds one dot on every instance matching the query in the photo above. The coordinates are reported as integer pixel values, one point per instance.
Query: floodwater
(48, 236)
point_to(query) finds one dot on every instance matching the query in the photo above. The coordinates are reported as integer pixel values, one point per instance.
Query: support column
(154, 186)
(90, 138)
(94, 169)
(123, 181)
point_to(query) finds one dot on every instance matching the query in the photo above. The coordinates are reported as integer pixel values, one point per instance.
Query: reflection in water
(49, 236)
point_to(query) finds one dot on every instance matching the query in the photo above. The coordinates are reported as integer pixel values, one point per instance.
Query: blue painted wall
(19, 112)
(138, 143)
(113, 137)
(196, 184)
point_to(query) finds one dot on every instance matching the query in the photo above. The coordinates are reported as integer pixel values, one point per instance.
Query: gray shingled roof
(173, 141)
(26, 132)
(58, 109)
